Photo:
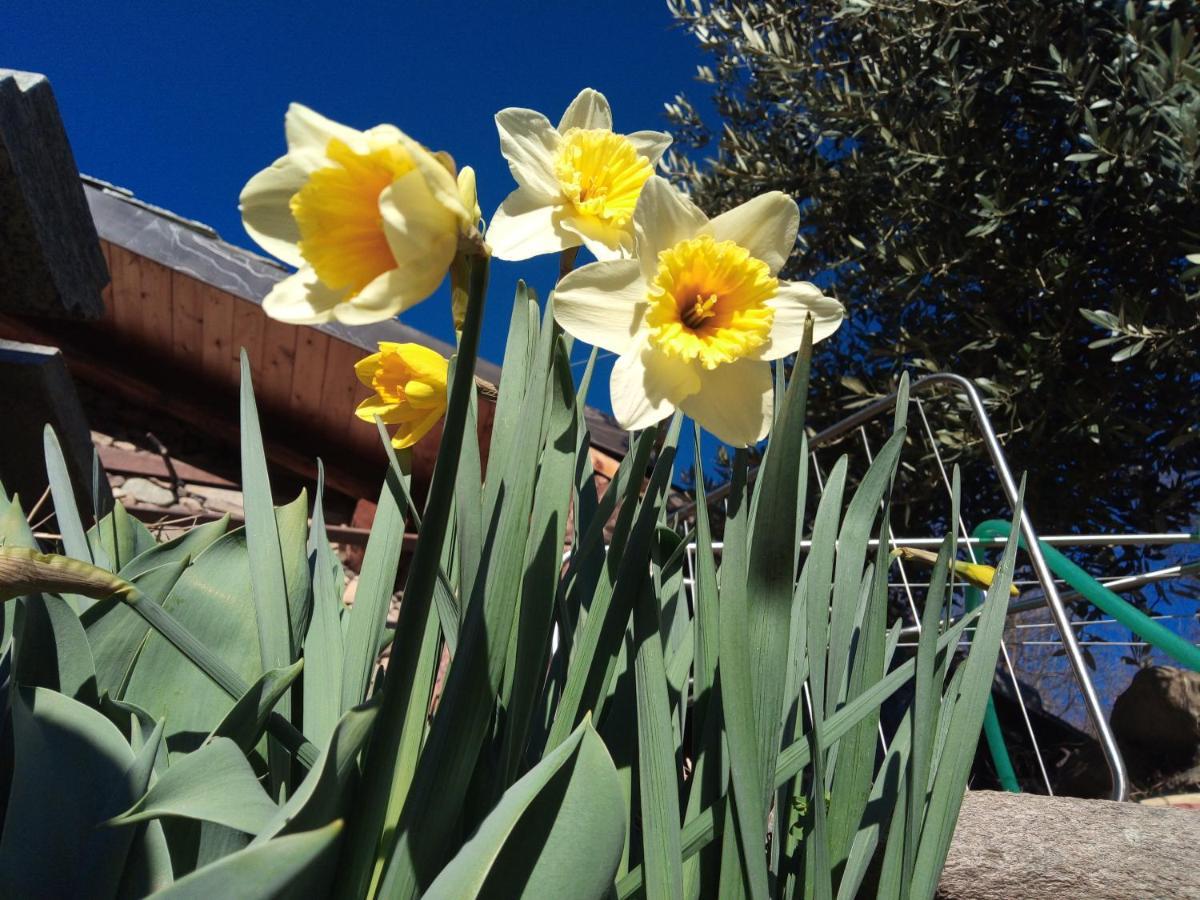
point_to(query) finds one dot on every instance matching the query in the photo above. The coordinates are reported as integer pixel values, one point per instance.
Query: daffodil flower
(409, 382)
(698, 315)
(578, 183)
(371, 219)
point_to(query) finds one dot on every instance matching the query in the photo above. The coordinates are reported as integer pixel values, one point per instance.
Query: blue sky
(181, 102)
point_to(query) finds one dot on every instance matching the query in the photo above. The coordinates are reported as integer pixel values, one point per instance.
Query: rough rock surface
(1020, 845)
(50, 257)
(1157, 723)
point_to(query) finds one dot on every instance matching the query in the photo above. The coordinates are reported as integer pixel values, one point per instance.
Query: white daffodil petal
(266, 213)
(588, 110)
(421, 232)
(735, 402)
(309, 133)
(301, 299)
(525, 226)
(663, 218)
(650, 144)
(604, 241)
(793, 302)
(647, 386)
(766, 226)
(528, 141)
(602, 303)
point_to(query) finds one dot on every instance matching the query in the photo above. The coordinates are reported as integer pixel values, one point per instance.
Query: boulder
(1157, 723)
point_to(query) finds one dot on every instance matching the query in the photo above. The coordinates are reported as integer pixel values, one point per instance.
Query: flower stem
(379, 799)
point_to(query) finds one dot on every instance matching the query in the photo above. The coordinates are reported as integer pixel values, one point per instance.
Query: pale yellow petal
(588, 110)
(302, 299)
(528, 141)
(603, 241)
(266, 213)
(650, 144)
(766, 226)
(526, 225)
(441, 182)
(792, 303)
(735, 402)
(468, 194)
(309, 133)
(421, 232)
(663, 218)
(602, 303)
(384, 298)
(647, 386)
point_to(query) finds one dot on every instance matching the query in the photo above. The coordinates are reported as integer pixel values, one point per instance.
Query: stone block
(50, 258)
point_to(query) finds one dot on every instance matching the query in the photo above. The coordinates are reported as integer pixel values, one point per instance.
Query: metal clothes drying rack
(1051, 597)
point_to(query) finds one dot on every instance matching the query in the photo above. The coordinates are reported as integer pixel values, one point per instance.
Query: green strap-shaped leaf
(25, 571)
(212, 784)
(323, 648)
(771, 569)
(72, 770)
(557, 832)
(51, 649)
(321, 797)
(530, 641)
(404, 700)
(473, 682)
(700, 830)
(656, 755)
(116, 633)
(120, 538)
(66, 512)
(188, 545)
(273, 617)
(954, 764)
(298, 862)
(244, 723)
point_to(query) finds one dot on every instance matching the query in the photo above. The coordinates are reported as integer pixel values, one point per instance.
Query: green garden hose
(1180, 650)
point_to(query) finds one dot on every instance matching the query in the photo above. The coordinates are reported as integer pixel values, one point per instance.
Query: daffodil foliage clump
(204, 717)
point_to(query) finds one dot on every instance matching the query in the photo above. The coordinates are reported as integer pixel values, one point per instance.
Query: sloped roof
(196, 250)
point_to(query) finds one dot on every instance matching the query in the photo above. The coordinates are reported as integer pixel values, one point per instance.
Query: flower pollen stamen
(708, 302)
(601, 174)
(693, 317)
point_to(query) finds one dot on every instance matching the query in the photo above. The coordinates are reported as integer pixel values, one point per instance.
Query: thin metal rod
(1116, 585)
(1108, 743)
(1053, 540)
(1008, 664)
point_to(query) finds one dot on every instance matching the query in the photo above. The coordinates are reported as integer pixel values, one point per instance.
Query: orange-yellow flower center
(708, 302)
(405, 378)
(601, 173)
(337, 212)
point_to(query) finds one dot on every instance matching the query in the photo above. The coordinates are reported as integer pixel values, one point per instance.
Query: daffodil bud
(409, 381)
(467, 194)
